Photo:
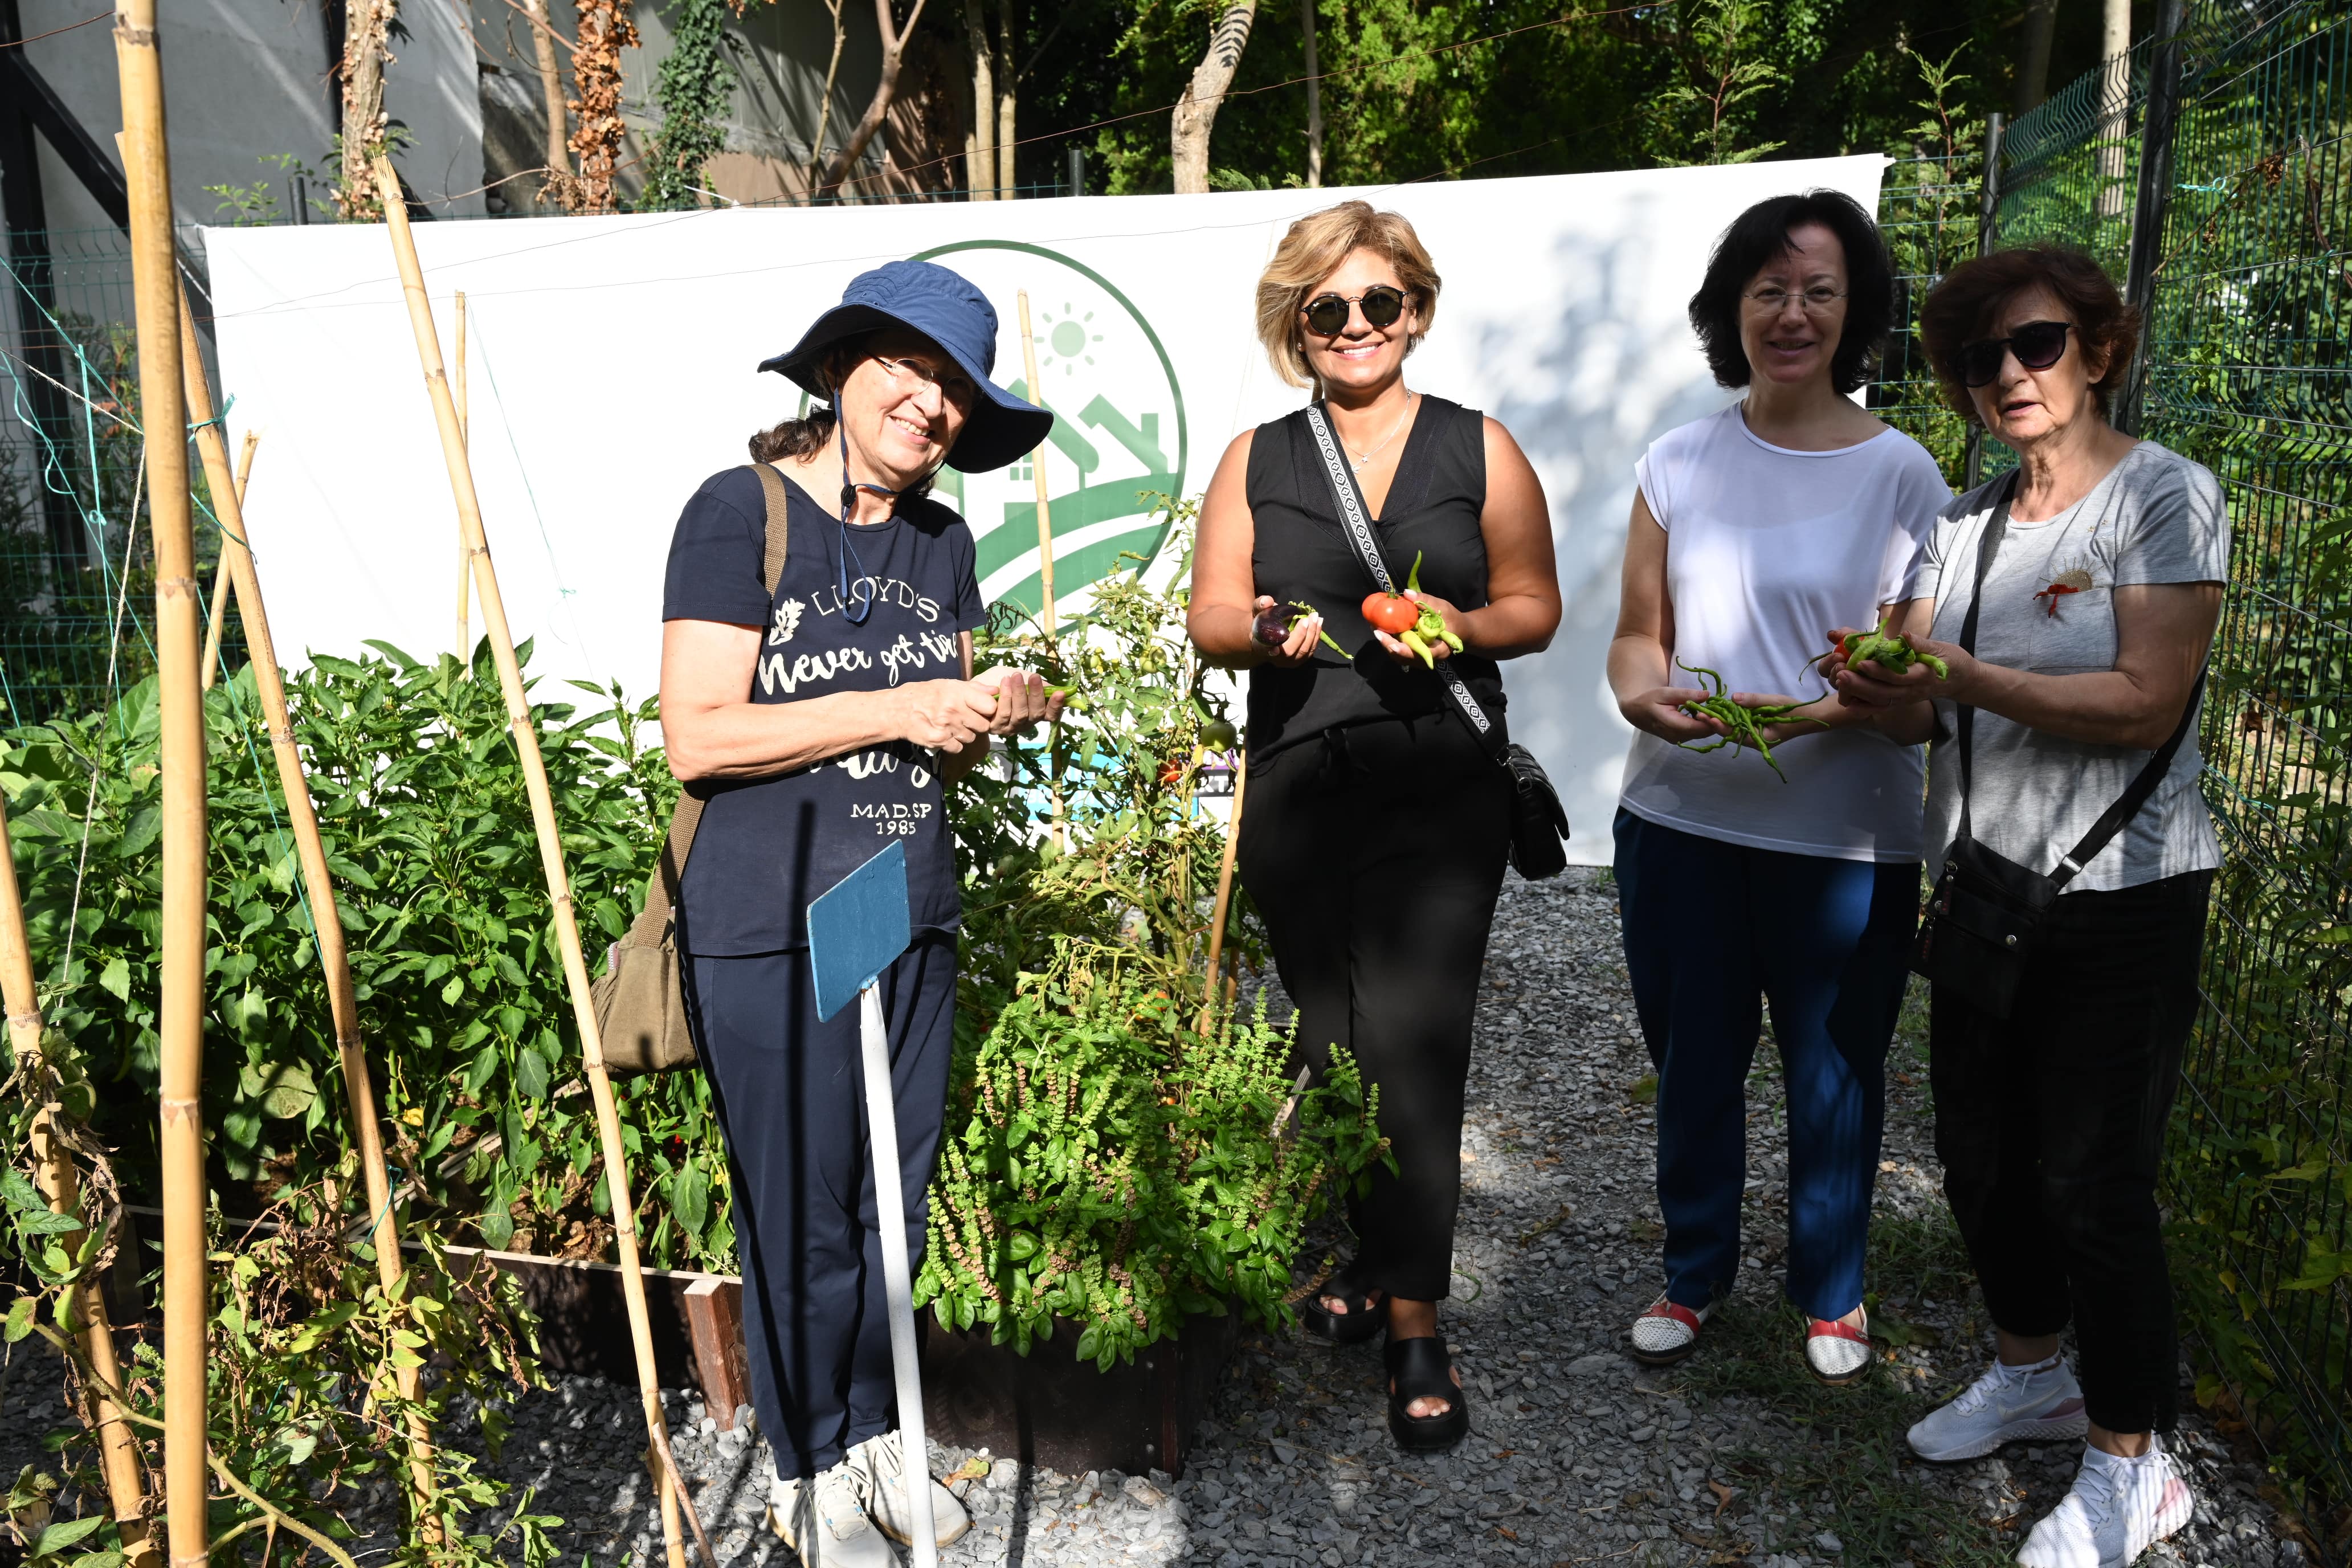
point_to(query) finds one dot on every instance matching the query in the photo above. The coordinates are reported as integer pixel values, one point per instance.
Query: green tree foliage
(1414, 90)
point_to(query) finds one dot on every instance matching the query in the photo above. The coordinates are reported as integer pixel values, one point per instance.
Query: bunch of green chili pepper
(1747, 725)
(1891, 651)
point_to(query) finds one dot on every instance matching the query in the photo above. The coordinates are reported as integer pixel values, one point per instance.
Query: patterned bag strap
(1358, 529)
(662, 891)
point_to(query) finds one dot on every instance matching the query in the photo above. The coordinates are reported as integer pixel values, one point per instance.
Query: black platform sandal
(1367, 1312)
(1421, 1369)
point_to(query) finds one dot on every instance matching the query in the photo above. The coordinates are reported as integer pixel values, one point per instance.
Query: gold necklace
(1356, 460)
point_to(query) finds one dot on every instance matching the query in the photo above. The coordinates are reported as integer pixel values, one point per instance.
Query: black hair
(1760, 235)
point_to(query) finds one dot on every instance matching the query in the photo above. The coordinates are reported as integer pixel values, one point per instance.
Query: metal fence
(76, 584)
(2241, 216)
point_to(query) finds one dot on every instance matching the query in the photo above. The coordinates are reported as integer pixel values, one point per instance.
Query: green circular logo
(1118, 441)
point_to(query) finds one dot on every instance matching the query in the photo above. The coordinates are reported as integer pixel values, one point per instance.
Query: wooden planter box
(1047, 1407)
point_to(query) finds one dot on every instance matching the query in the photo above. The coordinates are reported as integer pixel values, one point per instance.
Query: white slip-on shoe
(2118, 1508)
(2007, 1404)
(882, 1462)
(823, 1519)
(1837, 1352)
(1666, 1332)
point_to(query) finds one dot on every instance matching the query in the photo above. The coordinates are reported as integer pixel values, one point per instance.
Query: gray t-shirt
(2156, 518)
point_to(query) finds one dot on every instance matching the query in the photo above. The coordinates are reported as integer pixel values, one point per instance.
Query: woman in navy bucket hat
(821, 722)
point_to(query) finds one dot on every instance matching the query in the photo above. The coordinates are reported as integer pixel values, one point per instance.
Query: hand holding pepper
(1413, 625)
(1868, 672)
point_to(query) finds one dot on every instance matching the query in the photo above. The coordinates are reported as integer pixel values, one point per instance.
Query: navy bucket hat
(950, 309)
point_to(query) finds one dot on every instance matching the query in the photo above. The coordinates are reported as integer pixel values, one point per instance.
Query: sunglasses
(2038, 345)
(1327, 314)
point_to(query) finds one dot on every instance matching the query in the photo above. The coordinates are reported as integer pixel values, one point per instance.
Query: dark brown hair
(1965, 304)
(807, 435)
(1760, 235)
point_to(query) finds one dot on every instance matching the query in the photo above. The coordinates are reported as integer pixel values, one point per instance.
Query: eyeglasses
(1327, 314)
(954, 388)
(1816, 300)
(2038, 345)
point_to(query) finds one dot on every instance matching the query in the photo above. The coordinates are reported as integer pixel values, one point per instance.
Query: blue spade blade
(857, 928)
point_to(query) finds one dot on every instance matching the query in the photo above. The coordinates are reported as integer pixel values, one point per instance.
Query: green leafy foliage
(1112, 1155)
(692, 85)
(428, 834)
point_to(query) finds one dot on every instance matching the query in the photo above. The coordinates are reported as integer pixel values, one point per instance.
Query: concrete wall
(248, 80)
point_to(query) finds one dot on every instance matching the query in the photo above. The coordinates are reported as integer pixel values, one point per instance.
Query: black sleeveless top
(1302, 554)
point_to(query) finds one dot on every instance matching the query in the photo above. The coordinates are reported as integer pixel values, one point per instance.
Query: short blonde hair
(1312, 252)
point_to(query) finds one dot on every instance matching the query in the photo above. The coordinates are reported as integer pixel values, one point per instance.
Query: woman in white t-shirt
(1755, 531)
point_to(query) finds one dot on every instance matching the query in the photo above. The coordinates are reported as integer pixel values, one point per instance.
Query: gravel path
(1576, 1456)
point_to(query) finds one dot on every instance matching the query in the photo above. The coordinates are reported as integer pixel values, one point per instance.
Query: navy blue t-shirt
(767, 847)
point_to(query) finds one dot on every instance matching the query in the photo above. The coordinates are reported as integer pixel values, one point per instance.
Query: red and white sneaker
(1837, 1352)
(1666, 1332)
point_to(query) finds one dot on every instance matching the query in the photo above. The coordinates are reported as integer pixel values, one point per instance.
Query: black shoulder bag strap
(1357, 524)
(2126, 805)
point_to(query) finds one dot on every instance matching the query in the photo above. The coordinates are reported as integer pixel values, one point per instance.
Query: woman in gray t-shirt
(2095, 611)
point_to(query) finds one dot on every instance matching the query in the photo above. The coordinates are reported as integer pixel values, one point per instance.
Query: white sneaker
(882, 1462)
(824, 1520)
(2118, 1508)
(2007, 1404)
(1666, 1332)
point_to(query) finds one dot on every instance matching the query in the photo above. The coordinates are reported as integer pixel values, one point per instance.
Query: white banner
(610, 371)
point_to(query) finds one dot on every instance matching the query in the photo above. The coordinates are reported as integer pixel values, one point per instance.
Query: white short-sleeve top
(1768, 550)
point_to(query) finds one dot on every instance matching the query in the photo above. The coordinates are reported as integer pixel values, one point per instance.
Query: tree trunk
(1007, 89)
(1196, 111)
(980, 156)
(1315, 99)
(606, 30)
(2115, 104)
(894, 55)
(2034, 66)
(558, 186)
(824, 100)
(366, 26)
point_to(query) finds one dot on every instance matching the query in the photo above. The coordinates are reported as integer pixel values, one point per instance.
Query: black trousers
(1376, 853)
(791, 1093)
(2051, 1127)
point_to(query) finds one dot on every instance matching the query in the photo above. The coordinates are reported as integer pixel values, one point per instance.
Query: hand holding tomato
(1413, 625)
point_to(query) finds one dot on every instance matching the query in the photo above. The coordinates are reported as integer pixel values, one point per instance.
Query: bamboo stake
(465, 434)
(220, 573)
(559, 887)
(1037, 471)
(326, 920)
(178, 649)
(1224, 888)
(60, 1182)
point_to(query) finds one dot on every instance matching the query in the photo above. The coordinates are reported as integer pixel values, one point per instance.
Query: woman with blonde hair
(1378, 826)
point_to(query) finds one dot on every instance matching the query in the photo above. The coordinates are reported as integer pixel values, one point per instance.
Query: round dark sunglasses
(2038, 345)
(1327, 314)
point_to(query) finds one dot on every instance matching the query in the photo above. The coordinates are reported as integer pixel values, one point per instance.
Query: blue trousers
(1712, 930)
(790, 1094)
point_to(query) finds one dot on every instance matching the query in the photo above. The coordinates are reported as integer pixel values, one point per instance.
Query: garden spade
(856, 929)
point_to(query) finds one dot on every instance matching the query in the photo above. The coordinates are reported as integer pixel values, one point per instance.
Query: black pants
(790, 1094)
(1376, 853)
(2050, 1128)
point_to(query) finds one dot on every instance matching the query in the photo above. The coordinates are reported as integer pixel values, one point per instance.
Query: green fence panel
(2247, 374)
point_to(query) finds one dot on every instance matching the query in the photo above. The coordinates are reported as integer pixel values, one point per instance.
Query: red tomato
(1392, 613)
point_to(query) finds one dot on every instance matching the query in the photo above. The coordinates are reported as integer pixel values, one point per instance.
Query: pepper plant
(1118, 1153)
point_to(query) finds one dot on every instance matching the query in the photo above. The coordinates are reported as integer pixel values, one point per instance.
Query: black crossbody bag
(1539, 823)
(1985, 915)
